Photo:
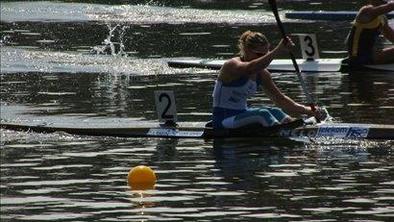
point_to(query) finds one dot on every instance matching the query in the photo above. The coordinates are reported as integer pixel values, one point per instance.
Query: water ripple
(137, 14)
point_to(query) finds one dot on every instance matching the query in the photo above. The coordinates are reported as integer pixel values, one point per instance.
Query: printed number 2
(309, 42)
(162, 97)
(165, 105)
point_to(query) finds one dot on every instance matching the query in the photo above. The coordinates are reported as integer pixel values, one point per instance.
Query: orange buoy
(141, 178)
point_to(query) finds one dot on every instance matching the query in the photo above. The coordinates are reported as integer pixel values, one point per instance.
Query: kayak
(326, 15)
(203, 131)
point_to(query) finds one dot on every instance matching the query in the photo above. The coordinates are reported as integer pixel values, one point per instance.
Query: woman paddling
(239, 79)
(370, 22)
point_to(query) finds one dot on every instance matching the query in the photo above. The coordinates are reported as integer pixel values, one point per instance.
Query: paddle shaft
(308, 96)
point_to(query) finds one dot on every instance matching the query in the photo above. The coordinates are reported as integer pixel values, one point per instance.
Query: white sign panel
(309, 46)
(165, 106)
(165, 132)
(343, 132)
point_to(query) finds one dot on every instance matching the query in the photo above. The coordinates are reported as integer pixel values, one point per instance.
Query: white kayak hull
(280, 65)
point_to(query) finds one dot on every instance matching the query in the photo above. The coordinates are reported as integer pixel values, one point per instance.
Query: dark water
(82, 62)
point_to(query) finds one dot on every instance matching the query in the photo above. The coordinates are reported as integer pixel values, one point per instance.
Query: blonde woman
(239, 79)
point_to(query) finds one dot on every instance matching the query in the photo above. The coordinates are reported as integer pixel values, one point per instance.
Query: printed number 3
(309, 42)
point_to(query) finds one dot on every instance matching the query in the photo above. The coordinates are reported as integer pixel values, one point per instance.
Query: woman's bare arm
(280, 99)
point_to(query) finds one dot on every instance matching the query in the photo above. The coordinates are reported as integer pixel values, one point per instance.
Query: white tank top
(234, 95)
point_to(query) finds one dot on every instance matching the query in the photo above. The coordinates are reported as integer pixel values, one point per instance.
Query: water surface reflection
(100, 64)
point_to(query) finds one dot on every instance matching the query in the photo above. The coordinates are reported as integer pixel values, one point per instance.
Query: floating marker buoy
(141, 178)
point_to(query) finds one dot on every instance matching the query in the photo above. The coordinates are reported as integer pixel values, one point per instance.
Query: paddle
(308, 96)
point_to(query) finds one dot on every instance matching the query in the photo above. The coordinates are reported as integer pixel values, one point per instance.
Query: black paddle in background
(309, 98)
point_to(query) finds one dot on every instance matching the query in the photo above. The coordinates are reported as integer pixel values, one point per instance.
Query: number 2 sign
(165, 106)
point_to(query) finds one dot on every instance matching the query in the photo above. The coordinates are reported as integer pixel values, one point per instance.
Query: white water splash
(114, 43)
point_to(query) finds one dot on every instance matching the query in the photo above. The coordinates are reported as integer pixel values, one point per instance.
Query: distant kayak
(326, 15)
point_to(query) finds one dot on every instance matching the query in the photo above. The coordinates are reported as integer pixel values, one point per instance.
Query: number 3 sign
(309, 46)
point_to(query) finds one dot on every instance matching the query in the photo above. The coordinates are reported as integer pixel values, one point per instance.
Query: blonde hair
(250, 40)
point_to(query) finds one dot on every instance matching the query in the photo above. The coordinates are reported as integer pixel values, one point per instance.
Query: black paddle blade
(274, 9)
(273, 5)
